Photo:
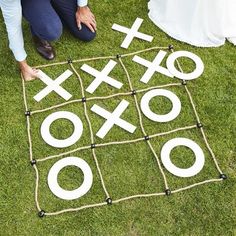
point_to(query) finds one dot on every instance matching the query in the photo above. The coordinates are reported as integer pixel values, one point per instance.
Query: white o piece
(61, 143)
(185, 76)
(176, 105)
(180, 172)
(73, 194)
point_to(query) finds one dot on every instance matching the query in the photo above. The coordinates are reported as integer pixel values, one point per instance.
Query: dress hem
(179, 38)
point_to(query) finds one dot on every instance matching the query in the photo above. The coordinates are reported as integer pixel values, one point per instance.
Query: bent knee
(52, 31)
(85, 35)
(89, 37)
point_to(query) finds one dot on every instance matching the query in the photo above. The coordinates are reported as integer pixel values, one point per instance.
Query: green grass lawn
(127, 169)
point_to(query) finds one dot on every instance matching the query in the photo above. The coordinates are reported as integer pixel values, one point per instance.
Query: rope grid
(100, 145)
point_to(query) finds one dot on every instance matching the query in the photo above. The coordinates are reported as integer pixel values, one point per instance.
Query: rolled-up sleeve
(82, 3)
(12, 13)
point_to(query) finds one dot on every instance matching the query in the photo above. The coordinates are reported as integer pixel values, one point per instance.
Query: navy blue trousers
(47, 17)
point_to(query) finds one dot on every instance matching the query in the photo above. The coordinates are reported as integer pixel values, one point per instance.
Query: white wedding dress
(202, 23)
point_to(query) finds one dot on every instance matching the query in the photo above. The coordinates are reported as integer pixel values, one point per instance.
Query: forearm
(12, 14)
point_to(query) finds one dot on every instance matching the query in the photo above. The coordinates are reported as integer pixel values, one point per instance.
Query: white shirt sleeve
(12, 13)
(82, 3)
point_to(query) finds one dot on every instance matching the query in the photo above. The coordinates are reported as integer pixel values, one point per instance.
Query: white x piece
(113, 119)
(101, 76)
(153, 66)
(53, 85)
(132, 33)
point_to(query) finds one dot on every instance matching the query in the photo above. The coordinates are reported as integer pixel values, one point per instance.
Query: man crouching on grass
(45, 18)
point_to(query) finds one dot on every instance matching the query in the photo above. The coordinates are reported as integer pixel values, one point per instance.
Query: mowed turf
(127, 169)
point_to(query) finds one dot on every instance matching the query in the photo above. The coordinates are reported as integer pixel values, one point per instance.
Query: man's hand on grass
(27, 71)
(85, 16)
